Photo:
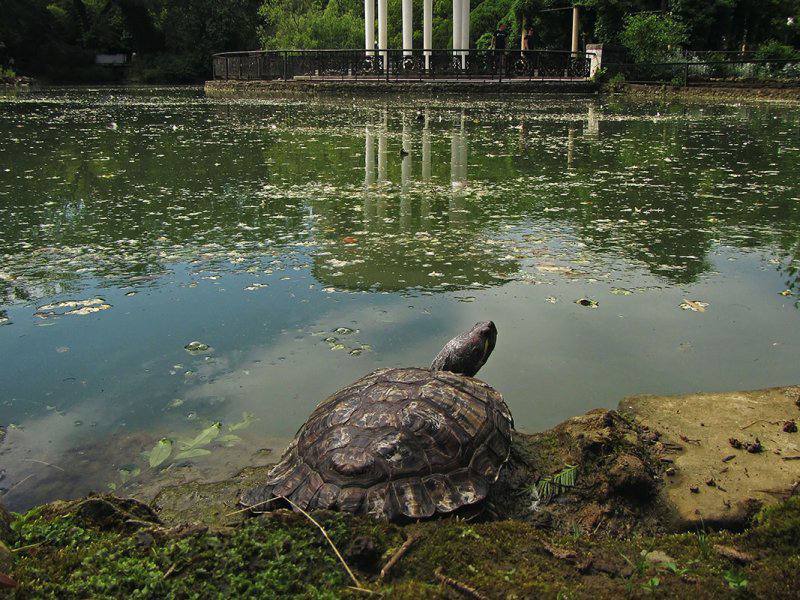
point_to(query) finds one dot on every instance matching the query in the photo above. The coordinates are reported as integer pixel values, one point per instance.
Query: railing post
(226, 69)
(284, 64)
(686, 74)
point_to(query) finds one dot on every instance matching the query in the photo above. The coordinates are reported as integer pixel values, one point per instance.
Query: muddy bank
(592, 507)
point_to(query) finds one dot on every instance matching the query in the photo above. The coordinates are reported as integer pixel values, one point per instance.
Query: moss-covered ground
(69, 553)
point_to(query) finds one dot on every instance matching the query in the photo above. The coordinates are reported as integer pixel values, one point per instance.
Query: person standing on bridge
(499, 42)
(527, 39)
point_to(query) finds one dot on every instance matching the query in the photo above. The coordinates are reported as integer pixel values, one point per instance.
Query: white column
(464, 31)
(427, 30)
(456, 24)
(576, 25)
(383, 36)
(408, 28)
(369, 26)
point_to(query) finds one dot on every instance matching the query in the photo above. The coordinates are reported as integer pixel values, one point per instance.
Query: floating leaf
(207, 436)
(196, 347)
(160, 452)
(192, 453)
(588, 303)
(229, 439)
(249, 419)
(694, 305)
(128, 473)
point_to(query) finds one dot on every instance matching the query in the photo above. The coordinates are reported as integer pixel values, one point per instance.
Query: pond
(621, 248)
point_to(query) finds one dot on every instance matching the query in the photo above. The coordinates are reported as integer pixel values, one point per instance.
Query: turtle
(399, 443)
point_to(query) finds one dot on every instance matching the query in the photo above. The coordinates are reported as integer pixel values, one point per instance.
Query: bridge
(405, 65)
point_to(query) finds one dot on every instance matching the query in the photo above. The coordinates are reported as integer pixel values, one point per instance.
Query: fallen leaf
(694, 305)
(160, 452)
(6, 581)
(192, 453)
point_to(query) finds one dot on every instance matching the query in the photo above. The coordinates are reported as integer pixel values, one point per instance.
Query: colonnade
(461, 28)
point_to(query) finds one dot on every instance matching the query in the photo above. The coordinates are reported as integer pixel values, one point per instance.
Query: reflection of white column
(464, 31)
(369, 26)
(383, 36)
(369, 158)
(593, 128)
(426, 150)
(462, 150)
(427, 30)
(458, 157)
(405, 166)
(456, 24)
(570, 147)
(408, 40)
(382, 150)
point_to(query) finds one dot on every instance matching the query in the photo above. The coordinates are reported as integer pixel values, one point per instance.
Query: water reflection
(266, 229)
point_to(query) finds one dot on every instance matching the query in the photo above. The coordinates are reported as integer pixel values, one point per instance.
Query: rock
(659, 558)
(790, 426)
(629, 477)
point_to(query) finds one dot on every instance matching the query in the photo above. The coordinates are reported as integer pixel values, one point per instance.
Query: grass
(284, 556)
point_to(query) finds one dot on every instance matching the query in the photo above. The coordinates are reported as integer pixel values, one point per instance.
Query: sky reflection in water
(262, 227)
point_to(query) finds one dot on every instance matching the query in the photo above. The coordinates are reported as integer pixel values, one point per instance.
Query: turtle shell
(396, 443)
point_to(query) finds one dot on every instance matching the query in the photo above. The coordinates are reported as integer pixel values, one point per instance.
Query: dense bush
(653, 38)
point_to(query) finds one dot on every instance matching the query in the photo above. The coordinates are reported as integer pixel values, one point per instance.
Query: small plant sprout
(735, 580)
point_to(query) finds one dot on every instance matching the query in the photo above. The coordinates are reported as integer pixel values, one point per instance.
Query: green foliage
(258, 560)
(652, 37)
(735, 580)
(548, 487)
(775, 50)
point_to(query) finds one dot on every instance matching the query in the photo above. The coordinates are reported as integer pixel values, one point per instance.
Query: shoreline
(655, 506)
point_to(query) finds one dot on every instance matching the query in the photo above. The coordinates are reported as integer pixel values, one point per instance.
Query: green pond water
(297, 242)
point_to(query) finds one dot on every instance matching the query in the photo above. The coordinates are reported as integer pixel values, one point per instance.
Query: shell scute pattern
(396, 443)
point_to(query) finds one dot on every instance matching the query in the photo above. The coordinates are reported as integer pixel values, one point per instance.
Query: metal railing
(696, 72)
(402, 65)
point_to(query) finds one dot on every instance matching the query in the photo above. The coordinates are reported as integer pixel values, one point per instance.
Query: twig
(363, 590)
(28, 547)
(245, 509)
(170, 570)
(791, 458)
(398, 555)
(733, 554)
(748, 426)
(461, 588)
(330, 541)
(20, 482)
(41, 462)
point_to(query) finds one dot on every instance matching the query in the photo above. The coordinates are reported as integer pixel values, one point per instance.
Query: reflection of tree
(126, 201)
(407, 243)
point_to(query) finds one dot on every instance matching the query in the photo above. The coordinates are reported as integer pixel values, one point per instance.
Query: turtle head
(468, 352)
